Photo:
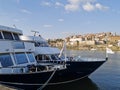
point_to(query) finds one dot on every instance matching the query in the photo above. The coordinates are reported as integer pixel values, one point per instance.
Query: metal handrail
(52, 61)
(14, 67)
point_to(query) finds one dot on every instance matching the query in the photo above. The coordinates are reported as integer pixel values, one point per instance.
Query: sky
(61, 18)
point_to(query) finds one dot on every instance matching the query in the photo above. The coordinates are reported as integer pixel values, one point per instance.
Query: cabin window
(5, 60)
(20, 58)
(54, 57)
(1, 36)
(43, 57)
(41, 44)
(31, 58)
(7, 35)
(16, 37)
(39, 57)
(46, 57)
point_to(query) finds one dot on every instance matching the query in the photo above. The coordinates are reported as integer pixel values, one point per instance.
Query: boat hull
(76, 70)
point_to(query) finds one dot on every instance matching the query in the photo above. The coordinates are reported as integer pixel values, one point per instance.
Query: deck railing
(11, 70)
(31, 68)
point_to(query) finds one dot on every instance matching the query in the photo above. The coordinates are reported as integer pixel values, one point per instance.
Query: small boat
(77, 68)
(18, 66)
(93, 49)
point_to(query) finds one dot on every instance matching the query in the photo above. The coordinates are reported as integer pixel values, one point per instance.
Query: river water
(106, 77)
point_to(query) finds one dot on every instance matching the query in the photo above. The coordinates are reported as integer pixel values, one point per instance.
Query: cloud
(60, 20)
(74, 1)
(59, 4)
(101, 7)
(86, 5)
(47, 26)
(50, 4)
(76, 5)
(46, 4)
(91, 7)
(26, 11)
(71, 7)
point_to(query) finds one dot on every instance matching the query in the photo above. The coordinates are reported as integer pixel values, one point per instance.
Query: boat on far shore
(93, 49)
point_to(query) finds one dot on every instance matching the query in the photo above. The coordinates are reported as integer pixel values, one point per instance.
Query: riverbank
(92, 47)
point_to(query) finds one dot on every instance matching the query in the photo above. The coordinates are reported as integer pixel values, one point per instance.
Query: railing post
(36, 68)
(12, 70)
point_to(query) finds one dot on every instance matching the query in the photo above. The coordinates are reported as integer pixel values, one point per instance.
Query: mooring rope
(47, 80)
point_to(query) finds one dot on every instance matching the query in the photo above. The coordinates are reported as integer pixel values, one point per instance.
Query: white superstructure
(42, 50)
(13, 51)
(17, 52)
(41, 45)
(10, 29)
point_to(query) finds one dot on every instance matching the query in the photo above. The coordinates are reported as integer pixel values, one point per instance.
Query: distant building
(76, 39)
(89, 39)
(114, 38)
(118, 43)
(81, 41)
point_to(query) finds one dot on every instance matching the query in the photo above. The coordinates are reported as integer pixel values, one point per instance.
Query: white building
(118, 43)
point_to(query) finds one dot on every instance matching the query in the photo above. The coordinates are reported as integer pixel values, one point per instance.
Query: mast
(35, 32)
(65, 50)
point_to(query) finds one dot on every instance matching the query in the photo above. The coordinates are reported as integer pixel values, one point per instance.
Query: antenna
(34, 34)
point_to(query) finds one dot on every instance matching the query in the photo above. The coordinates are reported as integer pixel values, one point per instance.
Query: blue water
(107, 77)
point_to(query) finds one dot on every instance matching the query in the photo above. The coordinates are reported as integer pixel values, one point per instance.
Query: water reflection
(83, 84)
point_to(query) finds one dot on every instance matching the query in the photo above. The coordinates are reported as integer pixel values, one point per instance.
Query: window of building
(7, 35)
(20, 58)
(5, 60)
